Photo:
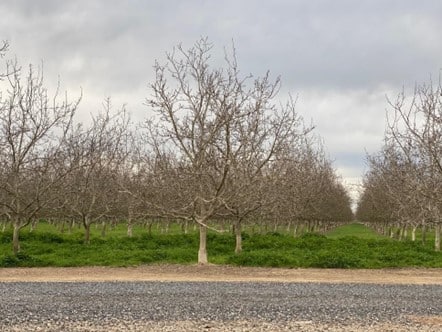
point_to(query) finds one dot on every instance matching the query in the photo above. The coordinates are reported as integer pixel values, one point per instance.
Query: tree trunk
(34, 225)
(71, 225)
(130, 229)
(103, 228)
(424, 234)
(185, 227)
(437, 229)
(87, 233)
(391, 232)
(289, 224)
(301, 229)
(295, 230)
(405, 235)
(15, 239)
(202, 252)
(413, 234)
(113, 223)
(62, 226)
(238, 238)
(400, 233)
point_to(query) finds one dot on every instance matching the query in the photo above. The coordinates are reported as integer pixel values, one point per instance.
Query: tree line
(402, 188)
(215, 147)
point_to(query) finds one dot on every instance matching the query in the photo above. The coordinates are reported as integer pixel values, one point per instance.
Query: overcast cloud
(340, 57)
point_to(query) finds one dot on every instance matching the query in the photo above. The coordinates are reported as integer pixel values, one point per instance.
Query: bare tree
(245, 198)
(4, 47)
(391, 198)
(203, 118)
(264, 138)
(306, 192)
(375, 207)
(134, 182)
(416, 127)
(96, 153)
(33, 127)
(409, 169)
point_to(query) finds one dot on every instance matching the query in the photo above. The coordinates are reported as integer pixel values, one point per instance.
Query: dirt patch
(220, 273)
(427, 320)
(218, 326)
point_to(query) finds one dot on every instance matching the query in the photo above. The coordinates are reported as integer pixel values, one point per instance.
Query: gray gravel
(218, 306)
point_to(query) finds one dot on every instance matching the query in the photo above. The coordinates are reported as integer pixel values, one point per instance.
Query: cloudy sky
(340, 57)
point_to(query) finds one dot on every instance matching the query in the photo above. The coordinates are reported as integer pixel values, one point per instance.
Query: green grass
(349, 246)
(313, 250)
(355, 229)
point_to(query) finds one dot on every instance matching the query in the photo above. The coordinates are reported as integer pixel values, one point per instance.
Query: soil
(220, 273)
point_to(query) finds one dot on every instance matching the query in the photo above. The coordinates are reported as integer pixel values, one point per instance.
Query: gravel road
(218, 306)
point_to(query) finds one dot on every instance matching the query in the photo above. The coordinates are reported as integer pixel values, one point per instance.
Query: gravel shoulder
(219, 298)
(220, 306)
(221, 273)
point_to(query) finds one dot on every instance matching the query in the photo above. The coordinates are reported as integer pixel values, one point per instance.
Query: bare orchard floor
(166, 272)
(219, 298)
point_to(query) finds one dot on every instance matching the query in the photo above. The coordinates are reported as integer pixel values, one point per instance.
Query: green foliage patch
(46, 246)
(354, 229)
(314, 250)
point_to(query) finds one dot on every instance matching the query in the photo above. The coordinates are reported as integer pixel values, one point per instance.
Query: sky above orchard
(340, 58)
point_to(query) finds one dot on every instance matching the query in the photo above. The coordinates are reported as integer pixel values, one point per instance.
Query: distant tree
(416, 127)
(33, 127)
(134, 183)
(94, 157)
(408, 171)
(306, 191)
